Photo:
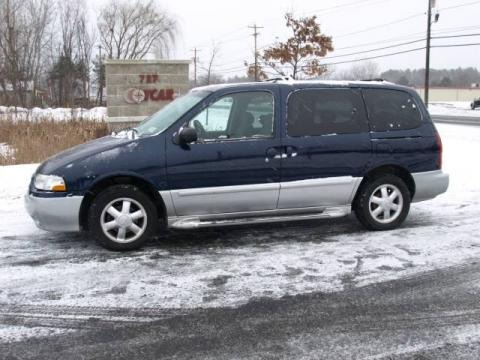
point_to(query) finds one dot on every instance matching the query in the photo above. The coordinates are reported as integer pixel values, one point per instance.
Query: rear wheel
(122, 217)
(383, 203)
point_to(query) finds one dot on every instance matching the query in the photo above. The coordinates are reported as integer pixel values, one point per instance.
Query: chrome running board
(192, 222)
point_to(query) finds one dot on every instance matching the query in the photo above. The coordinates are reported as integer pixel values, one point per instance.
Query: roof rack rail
(279, 78)
(375, 79)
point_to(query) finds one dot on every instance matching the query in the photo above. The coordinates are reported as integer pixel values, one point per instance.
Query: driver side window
(212, 123)
(236, 116)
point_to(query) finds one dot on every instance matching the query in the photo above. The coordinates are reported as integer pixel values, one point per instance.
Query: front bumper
(430, 184)
(60, 214)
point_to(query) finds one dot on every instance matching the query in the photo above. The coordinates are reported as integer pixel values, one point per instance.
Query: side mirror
(186, 135)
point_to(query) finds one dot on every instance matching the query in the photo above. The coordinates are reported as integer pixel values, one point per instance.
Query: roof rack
(277, 79)
(375, 79)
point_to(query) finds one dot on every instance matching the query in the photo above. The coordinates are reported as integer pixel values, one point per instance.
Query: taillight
(438, 140)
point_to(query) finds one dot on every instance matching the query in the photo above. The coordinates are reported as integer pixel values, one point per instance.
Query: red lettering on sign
(169, 94)
(159, 94)
(149, 79)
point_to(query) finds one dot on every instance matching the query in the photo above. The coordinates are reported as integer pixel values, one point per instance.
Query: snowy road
(457, 120)
(54, 285)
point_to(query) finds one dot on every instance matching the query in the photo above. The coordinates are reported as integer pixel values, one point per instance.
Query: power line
(380, 26)
(239, 68)
(366, 2)
(369, 28)
(398, 53)
(413, 16)
(459, 6)
(399, 45)
(455, 45)
(408, 36)
(376, 49)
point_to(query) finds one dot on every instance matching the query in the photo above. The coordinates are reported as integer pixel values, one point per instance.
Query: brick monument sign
(139, 88)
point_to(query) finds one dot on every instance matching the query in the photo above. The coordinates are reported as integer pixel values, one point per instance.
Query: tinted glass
(236, 116)
(391, 110)
(326, 112)
(162, 119)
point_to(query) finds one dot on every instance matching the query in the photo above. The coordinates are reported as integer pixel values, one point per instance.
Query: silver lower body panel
(59, 214)
(429, 184)
(327, 192)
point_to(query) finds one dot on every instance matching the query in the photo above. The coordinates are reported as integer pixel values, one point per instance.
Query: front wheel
(122, 217)
(383, 203)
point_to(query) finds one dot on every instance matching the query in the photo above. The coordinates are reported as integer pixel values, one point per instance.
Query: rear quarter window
(390, 110)
(315, 112)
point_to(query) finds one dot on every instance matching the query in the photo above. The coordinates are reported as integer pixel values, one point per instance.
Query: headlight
(49, 183)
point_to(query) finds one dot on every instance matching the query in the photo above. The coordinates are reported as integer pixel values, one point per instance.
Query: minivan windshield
(161, 120)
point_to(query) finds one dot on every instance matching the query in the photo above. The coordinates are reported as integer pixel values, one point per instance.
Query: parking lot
(62, 288)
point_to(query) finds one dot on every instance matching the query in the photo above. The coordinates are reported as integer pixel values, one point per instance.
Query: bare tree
(69, 72)
(361, 71)
(86, 39)
(63, 73)
(209, 77)
(131, 30)
(23, 39)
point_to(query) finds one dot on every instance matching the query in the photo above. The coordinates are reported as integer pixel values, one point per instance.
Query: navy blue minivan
(248, 153)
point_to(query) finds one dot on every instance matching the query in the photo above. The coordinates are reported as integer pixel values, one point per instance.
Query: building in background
(138, 88)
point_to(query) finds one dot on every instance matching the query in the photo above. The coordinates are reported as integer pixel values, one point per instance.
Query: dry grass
(34, 142)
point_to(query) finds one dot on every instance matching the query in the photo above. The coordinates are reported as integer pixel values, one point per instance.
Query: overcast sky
(351, 23)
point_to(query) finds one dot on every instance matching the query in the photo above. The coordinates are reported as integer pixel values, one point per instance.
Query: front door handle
(272, 152)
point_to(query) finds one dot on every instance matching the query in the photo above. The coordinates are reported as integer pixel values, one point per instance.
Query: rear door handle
(273, 153)
(291, 151)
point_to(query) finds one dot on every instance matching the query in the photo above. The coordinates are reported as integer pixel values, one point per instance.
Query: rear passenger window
(391, 110)
(325, 112)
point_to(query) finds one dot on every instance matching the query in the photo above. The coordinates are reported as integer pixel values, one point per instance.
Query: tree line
(460, 77)
(52, 52)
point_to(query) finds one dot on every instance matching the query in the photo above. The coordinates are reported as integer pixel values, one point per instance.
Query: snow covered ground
(5, 150)
(57, 114)
(42, 271)
(453, 108)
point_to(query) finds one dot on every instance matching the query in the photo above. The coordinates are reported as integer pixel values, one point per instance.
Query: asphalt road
(434, 315)
(458, 120)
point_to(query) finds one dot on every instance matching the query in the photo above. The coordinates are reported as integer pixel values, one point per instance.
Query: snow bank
(5, 150)
(453, 108)
(56, 114)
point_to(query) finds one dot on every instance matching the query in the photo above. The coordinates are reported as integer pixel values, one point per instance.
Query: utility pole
(431, 4)
(195, 60)
(255, 35)
(427, 64)
(100, 90)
